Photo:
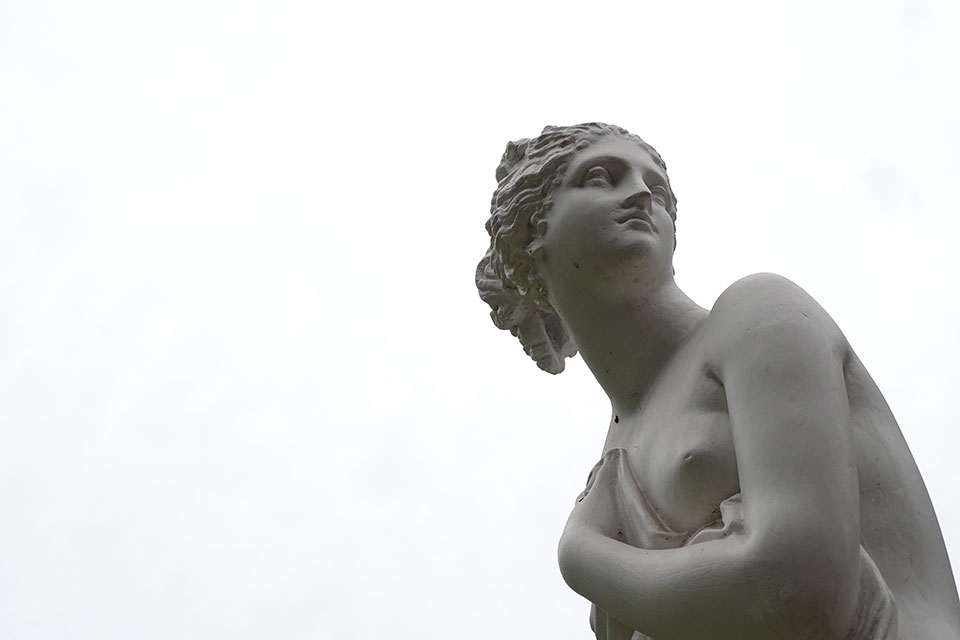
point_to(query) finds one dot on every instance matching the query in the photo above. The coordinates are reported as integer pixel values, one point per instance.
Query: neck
(626, 339)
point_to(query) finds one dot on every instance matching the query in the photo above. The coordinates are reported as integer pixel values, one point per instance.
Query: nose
(639, 194)
(638, 199)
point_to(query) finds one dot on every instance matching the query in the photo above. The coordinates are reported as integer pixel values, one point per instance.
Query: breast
(687, 462)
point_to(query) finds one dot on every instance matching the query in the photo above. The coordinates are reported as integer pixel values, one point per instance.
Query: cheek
(574, 229)
(577, 240)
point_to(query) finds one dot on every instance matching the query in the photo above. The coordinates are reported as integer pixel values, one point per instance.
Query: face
(609, 222)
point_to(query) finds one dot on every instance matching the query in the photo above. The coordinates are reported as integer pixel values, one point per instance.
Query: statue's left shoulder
(766, 308)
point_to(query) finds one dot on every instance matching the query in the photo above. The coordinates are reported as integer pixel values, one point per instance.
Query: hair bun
(512, 156)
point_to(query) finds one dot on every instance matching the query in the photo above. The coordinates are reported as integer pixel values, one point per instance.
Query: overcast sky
(247, 388)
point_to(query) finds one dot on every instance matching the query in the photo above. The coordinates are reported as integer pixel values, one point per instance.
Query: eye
(597, 176)
(660, 193)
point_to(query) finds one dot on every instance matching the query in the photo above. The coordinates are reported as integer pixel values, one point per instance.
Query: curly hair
(529, 172)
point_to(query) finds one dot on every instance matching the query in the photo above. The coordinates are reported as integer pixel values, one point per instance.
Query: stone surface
(754, 483)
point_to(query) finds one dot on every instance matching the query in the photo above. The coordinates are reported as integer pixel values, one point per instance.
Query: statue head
(529, 172)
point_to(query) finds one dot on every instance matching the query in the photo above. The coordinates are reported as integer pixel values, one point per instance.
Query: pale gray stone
(754, 483)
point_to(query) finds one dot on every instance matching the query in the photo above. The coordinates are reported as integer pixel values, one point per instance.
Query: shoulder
(765, 309)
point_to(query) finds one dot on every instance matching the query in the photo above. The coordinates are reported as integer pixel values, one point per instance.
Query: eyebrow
(588, 163)
(608, 159)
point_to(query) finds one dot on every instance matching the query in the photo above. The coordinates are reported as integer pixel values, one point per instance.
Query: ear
(536, 252)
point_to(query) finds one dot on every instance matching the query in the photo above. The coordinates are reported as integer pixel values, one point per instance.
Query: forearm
(723, 588)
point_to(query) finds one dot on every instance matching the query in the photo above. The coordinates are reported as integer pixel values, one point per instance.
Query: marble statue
(754, 484)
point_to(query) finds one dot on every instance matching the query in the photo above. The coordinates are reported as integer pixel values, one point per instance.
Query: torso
(681, 450)
(680, 443)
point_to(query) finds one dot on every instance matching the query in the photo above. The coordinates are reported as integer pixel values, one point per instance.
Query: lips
(633, 214)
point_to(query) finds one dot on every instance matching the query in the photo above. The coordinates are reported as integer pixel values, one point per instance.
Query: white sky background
(247, 388)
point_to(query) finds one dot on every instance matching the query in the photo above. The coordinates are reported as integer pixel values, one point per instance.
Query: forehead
(608, 147)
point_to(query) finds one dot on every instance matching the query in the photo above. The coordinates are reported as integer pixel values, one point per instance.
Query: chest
(680, 449)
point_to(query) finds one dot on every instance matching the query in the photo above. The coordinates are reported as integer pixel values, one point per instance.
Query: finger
(608, 467)
(607, 474)
(591, 477)
(593, 473)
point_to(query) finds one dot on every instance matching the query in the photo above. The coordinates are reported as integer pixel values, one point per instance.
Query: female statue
(753, 484)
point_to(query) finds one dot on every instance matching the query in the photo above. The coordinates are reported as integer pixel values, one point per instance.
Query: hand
(597, 508)
(595, 516)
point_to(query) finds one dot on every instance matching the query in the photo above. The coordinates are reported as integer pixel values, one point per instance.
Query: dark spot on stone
(576, 265)
(616, 418)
